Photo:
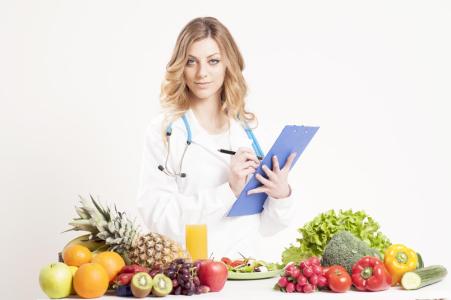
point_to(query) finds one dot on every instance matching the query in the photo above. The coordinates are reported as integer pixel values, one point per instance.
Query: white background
(79, 81)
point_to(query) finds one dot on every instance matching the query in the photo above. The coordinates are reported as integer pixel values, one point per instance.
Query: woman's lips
(203, 85)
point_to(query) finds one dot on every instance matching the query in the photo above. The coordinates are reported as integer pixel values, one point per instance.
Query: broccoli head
(345, 249)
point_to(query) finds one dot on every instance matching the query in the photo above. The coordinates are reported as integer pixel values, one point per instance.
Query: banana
(84, 241)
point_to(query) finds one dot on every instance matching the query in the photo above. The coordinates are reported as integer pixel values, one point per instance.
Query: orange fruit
(111, 261)
(91, 281)
(76, 255)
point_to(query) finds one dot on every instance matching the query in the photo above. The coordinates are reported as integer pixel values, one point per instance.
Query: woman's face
(205, 69)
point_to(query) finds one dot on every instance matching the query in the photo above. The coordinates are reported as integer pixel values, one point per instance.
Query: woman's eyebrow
(207, 56)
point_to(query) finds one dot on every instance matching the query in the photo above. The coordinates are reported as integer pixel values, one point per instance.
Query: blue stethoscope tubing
(189, 139)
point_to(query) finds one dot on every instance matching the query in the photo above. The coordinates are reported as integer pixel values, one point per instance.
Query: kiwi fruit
(141, 284)
(162, 285)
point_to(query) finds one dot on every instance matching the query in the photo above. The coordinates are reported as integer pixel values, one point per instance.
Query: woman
(185, 180)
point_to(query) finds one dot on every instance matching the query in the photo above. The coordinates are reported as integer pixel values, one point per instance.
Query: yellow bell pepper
(399, 259)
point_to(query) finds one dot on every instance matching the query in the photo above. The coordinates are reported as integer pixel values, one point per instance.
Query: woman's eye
(191, 61)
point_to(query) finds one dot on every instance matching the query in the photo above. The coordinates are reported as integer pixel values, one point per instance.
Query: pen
(233, 153)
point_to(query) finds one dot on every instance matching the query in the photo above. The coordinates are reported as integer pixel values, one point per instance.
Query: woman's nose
(202, 70)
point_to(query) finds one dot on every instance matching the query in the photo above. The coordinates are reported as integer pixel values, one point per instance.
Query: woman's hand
(276, 186)
(243, 163)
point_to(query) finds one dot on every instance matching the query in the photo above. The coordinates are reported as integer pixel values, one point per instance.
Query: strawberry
(133, 269)
(123, 278)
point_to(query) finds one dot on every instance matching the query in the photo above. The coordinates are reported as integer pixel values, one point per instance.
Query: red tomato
(335, 267)
(226, 260)
(339, 279)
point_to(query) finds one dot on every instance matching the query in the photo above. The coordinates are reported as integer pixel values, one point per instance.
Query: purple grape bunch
(184, 278)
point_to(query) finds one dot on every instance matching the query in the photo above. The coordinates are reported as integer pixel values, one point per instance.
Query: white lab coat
(204, 196)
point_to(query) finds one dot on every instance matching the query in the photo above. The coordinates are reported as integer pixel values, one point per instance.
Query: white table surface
(262, 289)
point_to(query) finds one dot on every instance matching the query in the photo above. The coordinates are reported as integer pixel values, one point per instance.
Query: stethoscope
(255, 145)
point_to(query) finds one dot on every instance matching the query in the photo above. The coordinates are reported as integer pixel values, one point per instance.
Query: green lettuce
(316, 234)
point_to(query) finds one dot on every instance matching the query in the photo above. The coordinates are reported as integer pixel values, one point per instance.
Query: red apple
(213, 274)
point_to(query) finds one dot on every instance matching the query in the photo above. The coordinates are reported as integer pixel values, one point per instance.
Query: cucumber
(422, 277)
(420, 263)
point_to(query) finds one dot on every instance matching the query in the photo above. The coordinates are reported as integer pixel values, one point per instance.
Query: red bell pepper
(370, 274)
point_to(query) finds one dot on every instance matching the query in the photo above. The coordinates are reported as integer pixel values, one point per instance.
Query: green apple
(55, 280)
(73, 269)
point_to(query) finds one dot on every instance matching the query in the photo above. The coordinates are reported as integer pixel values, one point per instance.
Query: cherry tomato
(339, 279)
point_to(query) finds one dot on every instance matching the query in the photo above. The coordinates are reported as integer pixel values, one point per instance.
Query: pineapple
(113, 231)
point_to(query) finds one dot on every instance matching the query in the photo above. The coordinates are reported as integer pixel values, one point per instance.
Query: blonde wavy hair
(174, 91)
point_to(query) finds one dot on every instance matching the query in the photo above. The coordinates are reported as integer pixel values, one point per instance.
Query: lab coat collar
(238, 136)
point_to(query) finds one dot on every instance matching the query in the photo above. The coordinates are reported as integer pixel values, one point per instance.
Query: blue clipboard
(292, 139)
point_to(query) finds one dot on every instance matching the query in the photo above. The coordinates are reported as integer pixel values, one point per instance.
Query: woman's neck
(208, 113)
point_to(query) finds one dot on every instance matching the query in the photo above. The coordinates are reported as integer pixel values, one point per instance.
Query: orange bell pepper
(399, 259)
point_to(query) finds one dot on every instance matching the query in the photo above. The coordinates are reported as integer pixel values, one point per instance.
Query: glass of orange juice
(196, 240)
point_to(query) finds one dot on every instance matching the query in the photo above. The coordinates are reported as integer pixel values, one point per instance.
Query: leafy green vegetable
(317, 233)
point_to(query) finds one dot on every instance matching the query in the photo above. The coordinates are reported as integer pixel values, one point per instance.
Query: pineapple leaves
(82, 213)
(105, 213)
(104, 224)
